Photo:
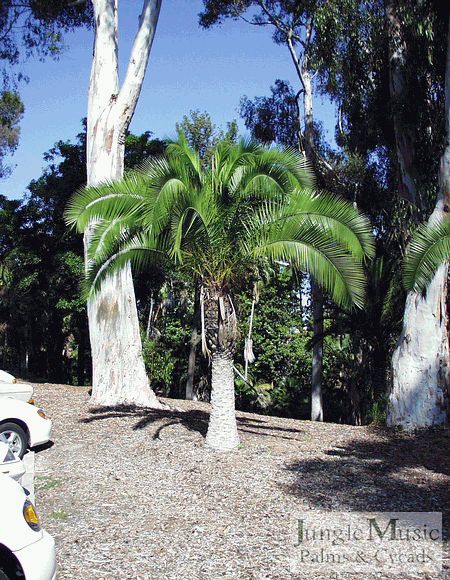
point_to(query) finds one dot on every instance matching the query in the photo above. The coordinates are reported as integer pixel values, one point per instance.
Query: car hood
(10, 388)
(20, 391)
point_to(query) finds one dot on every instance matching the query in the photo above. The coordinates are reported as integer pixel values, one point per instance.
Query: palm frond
(140, 250)
(332, 267)
(180, 150)
(429, 248)
(336, 216)
(105, 235)
(109, 200)
(271, 171)
(318, 233)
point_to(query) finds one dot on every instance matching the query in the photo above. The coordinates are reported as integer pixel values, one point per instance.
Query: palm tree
(251, 206)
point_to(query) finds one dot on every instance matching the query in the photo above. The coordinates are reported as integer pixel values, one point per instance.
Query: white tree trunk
(316, 291)
(419, 395)
(222, 429)
(304, 75)
(118, 368)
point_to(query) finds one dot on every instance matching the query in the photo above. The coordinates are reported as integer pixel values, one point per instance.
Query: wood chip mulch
(132, 493)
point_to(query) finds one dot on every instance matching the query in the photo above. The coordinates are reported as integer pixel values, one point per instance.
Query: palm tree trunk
(220, 333)
(222, 429)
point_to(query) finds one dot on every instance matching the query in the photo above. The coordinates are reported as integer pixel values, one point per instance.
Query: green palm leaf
(311, 248)
(139, 249)
(107, 201)
(429, 248)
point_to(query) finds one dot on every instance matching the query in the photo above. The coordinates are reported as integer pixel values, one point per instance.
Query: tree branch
(104, 72)
(273, 19)
(131, 87)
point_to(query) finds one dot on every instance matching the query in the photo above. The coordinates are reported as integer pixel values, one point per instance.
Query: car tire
(16, 438)
(3, 576)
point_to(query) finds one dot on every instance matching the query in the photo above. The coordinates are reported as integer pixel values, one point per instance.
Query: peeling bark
(420, 364)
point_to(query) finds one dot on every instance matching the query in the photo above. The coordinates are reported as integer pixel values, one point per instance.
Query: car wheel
(16, 438)
(3, 576)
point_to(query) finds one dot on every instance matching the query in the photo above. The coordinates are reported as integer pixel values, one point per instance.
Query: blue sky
(189, 68)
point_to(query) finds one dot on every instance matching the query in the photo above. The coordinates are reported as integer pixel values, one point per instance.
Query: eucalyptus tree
(272, 119)
(35, 28)
(251, 206)
(422, 400)
(388, 73)
(419, 394)
(118, 367)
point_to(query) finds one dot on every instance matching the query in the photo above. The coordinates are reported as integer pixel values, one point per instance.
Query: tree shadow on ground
(262, 427)
(193, 420)
(397, 473)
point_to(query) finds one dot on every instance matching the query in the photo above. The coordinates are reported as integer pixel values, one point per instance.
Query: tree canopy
(11, 112)
(35, 28)
(29, 28)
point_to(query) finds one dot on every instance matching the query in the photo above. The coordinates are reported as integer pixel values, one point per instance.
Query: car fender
(26, 415)
(17, 534)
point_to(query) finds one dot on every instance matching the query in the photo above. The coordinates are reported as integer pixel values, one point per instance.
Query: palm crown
(251, 205)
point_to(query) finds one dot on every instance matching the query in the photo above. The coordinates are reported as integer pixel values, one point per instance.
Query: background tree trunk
(316, 292)
(118, 368)
(317, 353)
(404, 138)
(190, 393)
(420, 364)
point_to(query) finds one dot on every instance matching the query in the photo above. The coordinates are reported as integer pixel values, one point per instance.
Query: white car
(22, 425)
(10, 465)
(26, 550)
(9, 387)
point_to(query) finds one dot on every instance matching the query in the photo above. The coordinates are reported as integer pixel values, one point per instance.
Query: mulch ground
(135, 493)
